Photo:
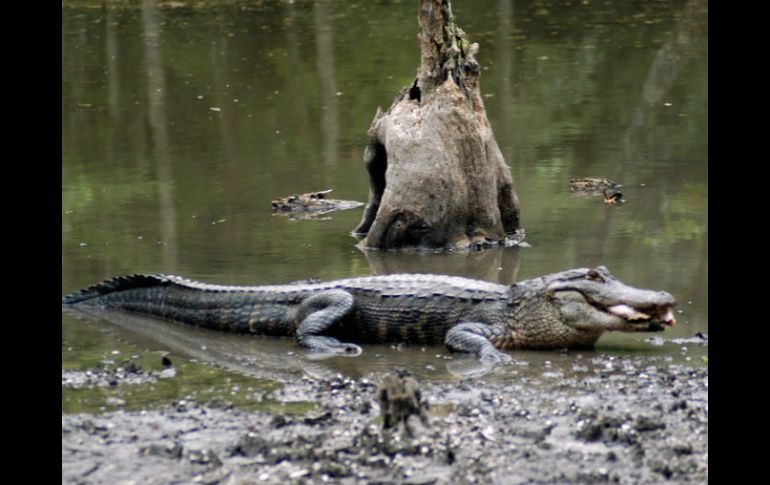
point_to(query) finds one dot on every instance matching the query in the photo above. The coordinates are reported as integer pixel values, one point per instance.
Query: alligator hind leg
(473, 338)
(317, 314)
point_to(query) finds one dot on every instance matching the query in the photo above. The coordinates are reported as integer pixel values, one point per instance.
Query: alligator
(570, 309)
(592, 186)
(311, 205)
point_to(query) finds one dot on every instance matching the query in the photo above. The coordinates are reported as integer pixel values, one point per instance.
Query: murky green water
(181, 121)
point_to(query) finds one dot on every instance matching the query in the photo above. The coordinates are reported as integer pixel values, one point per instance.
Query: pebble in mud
(541, 430)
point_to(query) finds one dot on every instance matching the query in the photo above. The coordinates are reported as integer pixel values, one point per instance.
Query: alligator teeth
(668, 318)
(627, 312)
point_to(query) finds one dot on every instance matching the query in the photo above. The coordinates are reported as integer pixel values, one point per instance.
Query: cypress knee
(437, 177)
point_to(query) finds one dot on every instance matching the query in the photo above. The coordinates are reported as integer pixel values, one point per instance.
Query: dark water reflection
(182, 120)
(279, 359)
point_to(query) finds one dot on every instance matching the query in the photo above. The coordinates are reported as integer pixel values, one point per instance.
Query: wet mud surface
(593, 419)
(127, 372)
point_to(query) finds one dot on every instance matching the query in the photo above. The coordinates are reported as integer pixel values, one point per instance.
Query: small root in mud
(400, 399)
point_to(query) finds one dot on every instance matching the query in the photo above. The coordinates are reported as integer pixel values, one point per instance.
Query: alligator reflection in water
(278, 359)
(282, 361)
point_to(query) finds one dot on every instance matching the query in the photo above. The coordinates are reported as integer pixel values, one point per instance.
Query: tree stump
(436, 175)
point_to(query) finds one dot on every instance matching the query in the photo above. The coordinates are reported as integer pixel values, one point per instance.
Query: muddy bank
(609, 419)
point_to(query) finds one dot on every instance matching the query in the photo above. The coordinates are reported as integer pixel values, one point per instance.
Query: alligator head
(592, 299)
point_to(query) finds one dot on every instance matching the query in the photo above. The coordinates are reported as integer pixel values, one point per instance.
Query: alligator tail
(231, 308)
(114, 285)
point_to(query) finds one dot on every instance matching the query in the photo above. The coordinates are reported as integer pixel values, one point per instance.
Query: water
(181, 121)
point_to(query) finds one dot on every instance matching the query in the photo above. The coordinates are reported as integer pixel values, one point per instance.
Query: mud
(597, 419)
(127, 372)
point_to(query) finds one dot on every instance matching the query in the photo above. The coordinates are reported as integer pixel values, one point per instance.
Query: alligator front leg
(473, 338)
(317, 314)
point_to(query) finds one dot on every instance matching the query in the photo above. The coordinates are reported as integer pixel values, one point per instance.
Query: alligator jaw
(594, 299)
(656, 316)
(580, 311)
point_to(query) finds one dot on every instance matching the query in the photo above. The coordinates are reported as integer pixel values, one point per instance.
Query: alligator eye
(594, 275)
